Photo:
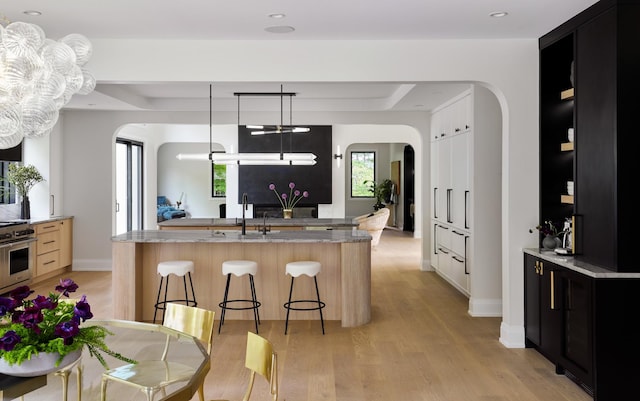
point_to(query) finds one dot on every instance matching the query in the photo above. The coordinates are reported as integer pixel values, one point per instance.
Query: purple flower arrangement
(291, 200)
(48, 324)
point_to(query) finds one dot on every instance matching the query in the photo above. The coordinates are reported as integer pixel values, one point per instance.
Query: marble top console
(578, 266)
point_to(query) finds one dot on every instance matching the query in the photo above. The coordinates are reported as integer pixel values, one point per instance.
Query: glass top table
(136, 340)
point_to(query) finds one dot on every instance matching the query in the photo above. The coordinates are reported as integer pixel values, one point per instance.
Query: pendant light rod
(282, 158)
(210, 118)
(281, 119)
(272, 94)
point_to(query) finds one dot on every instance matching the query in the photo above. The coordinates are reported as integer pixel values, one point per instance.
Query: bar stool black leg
(319, 303)
(158, 300)
(193, 293)
(254, 302)
(288, 306)
(223, 304)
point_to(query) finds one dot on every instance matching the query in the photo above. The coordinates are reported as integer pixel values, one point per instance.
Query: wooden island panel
(344, 282)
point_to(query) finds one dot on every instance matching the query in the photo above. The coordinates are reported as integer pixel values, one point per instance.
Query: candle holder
(178, 203)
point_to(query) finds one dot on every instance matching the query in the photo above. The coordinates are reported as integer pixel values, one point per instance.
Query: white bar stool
(180, 268)
(240, 268)
(309, 268)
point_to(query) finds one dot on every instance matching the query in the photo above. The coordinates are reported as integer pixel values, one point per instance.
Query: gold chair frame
(155, 375)
(261, 359)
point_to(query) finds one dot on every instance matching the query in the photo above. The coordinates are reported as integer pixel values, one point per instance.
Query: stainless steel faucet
(264, 223)
(245, 206)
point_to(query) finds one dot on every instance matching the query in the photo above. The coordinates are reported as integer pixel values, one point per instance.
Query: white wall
(508, 67)
(189, 180)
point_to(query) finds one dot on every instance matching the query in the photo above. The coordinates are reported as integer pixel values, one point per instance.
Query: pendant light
(283, 159)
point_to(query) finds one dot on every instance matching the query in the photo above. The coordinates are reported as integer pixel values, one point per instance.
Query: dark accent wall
(13, 154)
(316, 179)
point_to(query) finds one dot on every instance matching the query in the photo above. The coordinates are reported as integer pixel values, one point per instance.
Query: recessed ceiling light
(280, 29)
(277, 15)
(32, 13)
(498, 14)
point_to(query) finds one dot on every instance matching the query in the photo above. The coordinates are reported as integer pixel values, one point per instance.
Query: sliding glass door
(128, 186)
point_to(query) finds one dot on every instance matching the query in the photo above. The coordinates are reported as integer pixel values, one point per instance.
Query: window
(363, 168)
(218, 180)
(7, 193)
(8, 156)
(129, 200)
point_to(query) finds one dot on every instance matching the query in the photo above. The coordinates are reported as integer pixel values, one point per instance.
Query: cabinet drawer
(47, 263)
(47, 242)
(443, 236)
(47, 227)
(458, 243)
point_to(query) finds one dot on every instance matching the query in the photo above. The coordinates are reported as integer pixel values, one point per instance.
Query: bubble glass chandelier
(38, 76)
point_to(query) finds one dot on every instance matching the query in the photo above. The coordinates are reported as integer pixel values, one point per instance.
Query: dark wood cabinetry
(542, 307)
(581, 314)
(599, 50)
(585, 326)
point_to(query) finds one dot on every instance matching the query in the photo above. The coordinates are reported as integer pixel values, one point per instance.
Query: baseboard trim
(485, 307)
(512, 336)
(426, 266)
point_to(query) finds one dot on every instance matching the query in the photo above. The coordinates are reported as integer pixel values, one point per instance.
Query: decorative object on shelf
(550, 242)
(48, 325)
(288, 202)
(40, 76)
(23, 178)
(550, 232)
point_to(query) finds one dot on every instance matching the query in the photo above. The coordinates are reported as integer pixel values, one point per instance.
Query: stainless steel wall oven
(17, 254)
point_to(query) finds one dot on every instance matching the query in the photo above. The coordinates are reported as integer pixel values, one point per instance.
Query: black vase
(25, 208)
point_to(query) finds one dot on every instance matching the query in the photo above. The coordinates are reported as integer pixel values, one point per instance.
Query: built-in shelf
(566, 146)
(566, 94)
(568, 199)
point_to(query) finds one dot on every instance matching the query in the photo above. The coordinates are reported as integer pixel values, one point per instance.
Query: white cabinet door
(435, 180)
(458, 196)
(434, 244)
(443, 201)
(459, 273)
(444, 262)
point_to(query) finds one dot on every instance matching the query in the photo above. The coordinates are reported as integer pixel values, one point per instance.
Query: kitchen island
(257, 224)
(344, 282)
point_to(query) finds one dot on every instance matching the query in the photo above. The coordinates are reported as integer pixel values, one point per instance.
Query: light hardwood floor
(421, 345)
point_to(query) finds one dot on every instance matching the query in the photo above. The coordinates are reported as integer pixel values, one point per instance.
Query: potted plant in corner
(23, 178)
(377, 191)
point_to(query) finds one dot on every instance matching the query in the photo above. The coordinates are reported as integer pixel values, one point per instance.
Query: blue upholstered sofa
(166, 211)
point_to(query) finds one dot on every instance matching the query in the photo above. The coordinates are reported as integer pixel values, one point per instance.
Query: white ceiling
(312, 20)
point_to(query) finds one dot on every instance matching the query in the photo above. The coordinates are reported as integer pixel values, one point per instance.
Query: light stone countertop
(581, 267)
(253, 236)
(255, 222)
(49, 219)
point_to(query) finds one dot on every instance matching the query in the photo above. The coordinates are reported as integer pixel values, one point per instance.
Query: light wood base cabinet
(53, 247)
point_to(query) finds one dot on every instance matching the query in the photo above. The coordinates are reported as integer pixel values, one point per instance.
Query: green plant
(23, 177)
(382, 192)
(376, 190)
(386, 190)
(48, 324)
